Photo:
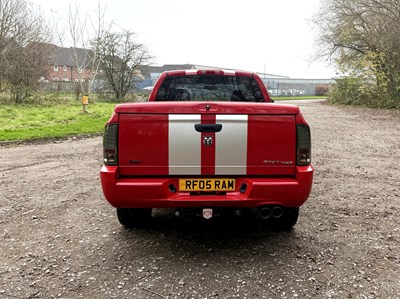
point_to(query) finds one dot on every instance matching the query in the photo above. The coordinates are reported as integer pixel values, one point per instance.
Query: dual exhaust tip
(268, 212)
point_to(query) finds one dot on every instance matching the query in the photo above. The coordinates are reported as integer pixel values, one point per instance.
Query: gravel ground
(61, 239)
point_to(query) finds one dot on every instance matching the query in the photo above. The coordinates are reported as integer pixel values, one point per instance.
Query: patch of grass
(35, 122)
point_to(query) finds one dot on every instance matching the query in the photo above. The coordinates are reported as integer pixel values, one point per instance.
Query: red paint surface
(144, 139)
(271, 138)
(199, 107)
(208, 152)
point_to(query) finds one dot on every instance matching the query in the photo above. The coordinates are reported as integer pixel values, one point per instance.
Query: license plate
(206, 184)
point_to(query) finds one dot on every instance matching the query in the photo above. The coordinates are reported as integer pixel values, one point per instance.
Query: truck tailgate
(261, 142)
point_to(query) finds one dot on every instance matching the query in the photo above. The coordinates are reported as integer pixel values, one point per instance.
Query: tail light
(303, 145)
(110, 144)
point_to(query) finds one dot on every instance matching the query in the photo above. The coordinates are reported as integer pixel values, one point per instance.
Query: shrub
(360, 92)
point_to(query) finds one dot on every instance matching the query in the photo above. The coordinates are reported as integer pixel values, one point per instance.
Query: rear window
(210, 88)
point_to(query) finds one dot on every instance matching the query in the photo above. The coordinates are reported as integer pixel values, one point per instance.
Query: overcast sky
(238, 34)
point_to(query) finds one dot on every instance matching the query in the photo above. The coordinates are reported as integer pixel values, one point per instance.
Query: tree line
(362, 37)
(111, 55)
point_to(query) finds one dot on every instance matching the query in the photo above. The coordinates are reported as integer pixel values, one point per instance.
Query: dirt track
(59, 238)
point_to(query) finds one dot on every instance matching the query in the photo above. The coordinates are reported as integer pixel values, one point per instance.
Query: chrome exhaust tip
(277, 212)
(237, 212)
(265, 213)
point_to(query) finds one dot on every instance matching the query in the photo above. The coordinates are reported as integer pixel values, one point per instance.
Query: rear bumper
(135, 192)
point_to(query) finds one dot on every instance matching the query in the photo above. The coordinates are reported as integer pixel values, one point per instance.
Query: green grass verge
(19, 123)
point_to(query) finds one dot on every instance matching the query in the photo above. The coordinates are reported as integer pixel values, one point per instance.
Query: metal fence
(297, 87)
(59, 87)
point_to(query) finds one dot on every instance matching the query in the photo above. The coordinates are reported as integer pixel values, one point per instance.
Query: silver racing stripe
(231, 145)
(184, 145)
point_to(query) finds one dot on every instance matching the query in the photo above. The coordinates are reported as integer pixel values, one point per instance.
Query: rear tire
(287, 221)
(134, 218)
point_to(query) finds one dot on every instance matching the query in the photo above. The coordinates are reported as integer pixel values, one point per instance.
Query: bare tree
(23, 49)
(362, 36)
(11, 13)
(85, 32)
(121, 60)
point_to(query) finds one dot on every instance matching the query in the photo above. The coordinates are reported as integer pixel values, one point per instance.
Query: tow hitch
(206, 213)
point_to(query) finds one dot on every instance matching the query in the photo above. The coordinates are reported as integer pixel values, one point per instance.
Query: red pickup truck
(207, 141)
